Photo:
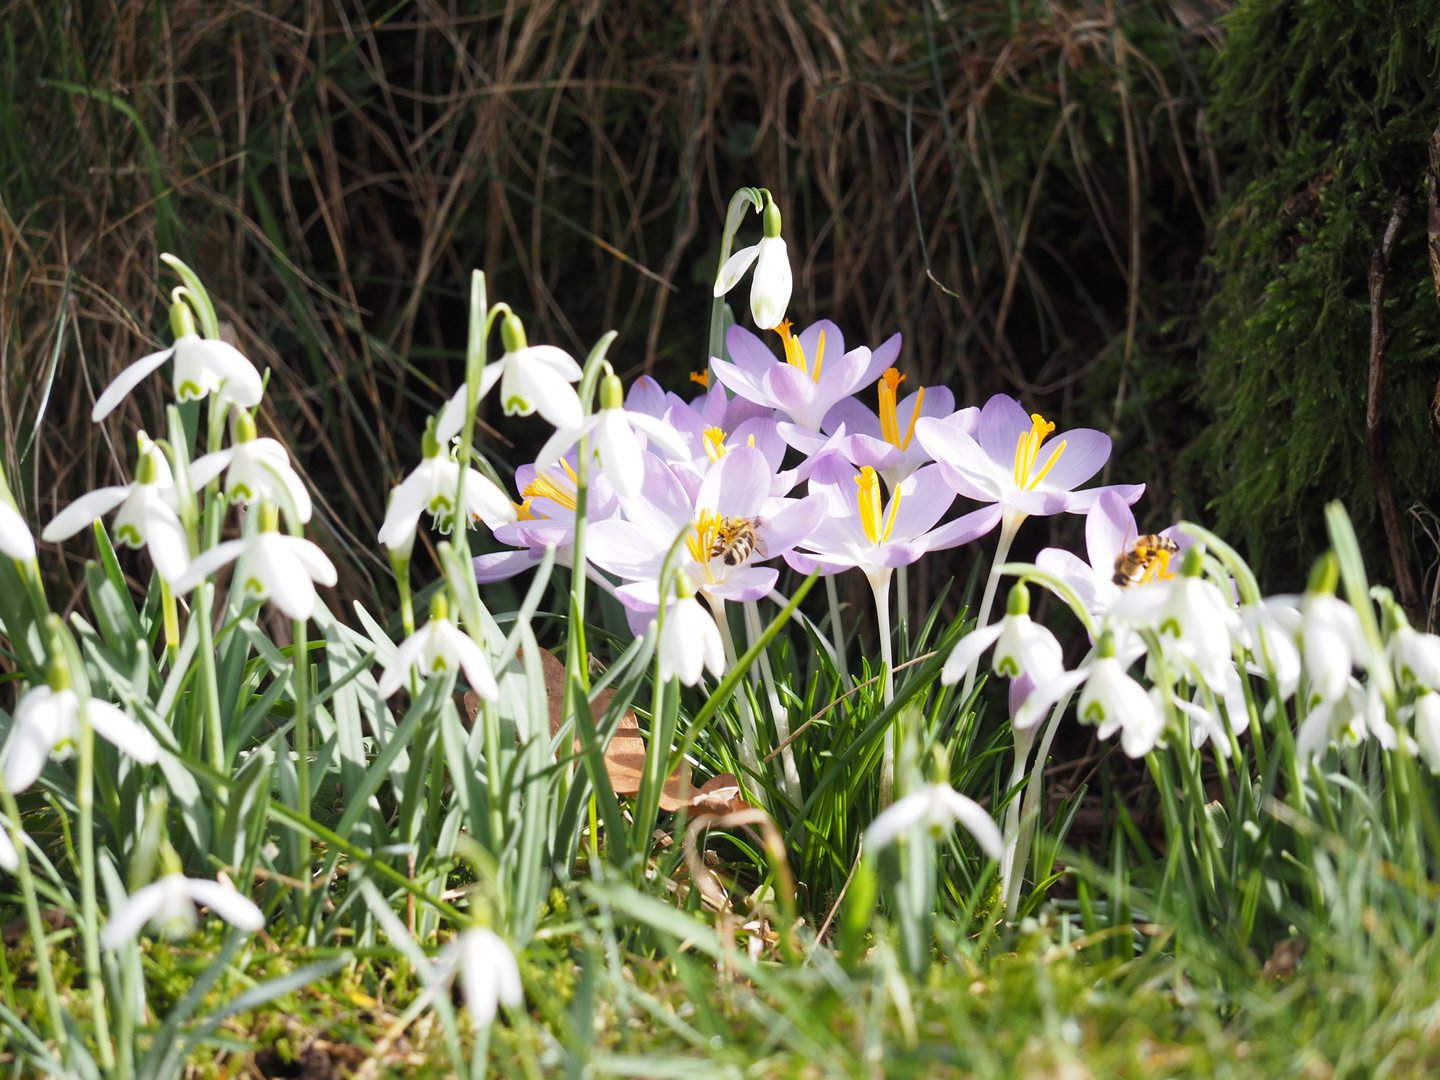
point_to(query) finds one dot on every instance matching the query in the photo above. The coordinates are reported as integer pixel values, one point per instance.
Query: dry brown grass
(334, 171)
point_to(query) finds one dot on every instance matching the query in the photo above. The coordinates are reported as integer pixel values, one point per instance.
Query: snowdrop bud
(1019, 601)
(771, 219)
(244, 426)
(612, 394)
(1427, 729)
(512, 333)
(1325, 574)
(182, 320)
(145, 468)
(1193, 564)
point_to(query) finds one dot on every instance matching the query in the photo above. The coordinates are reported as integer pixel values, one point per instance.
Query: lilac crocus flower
(885, 441)
(815, 374)
(735, 490)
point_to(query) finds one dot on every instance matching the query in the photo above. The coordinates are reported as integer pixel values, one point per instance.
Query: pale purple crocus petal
(1081, 501)
(738, 485)
(1085, 454)
(828, 565)
(662, 434)
(1003, 420)
(746, 384)
(964, 529)
(790, 389)
(1073, 571)
(1109, 529)
(745, 583)
(501, 565)
(625, 548)
(924, 498)
(646, 396)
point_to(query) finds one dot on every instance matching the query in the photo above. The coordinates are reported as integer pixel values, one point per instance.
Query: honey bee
(1148, 560)
(736, 540)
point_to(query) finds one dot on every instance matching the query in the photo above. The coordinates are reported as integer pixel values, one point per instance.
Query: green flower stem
(490, 717)
(749, 736)
(171, 616)
(880, 586)
(789, 774)
(44, 972)
(300, 687)
(740, 202)
(837, 632)
(89, 913)
(209, 685)
(1009, 526)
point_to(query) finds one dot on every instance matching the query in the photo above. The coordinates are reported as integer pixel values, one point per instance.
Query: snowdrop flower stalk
(770, 288)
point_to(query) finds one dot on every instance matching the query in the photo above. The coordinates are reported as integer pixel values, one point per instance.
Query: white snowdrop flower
(431, 487)
(255, 469)
(202, 366)
(690, 640)
(936, 807)
(168, 906)
(620, 437)
(1356, 714)
(147, 516)
(1269, 631)
(47, 724)
(489, 974)
(440, 645)
(532, 378)
(15, 538)
(1416, 656)
(281, 569)
(9, 858)
(773, 282)
(1022, 647)
(1427, 729)
(1116, 702)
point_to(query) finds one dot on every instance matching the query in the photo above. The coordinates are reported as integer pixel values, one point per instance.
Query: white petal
(967, 650)
(487, 501)
(619, 453)
(556, 359)
(734, 269)
(472, 661)
(165, 539)
(559, 443)
(771, 286)
(15, 538)
(402, 515)
(406, 654)
(114, 726)
(286, 484)
(207, 467)
(25, 757)
(83, 511)
(229, 904)
(452, 415)
(126, 381)
(900, 816)
(977, 822)
(284, 579)
(9, 859)
(124, 924)
(309, 555)
(208, 562)
(239, 380)
(658, 431)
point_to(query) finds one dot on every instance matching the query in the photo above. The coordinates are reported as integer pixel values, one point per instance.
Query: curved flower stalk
(936, 807)
(532, 378)
(431, 487)
(47, 725)
(202, 367)
(689, 641)
(167, 905)
(814, 376)
(1004, 461)
(281, 569)
(619, 437)
(256, 469)
(770, 287)
(440, 645)
(885, 441)
(15, 539)
(147, 517)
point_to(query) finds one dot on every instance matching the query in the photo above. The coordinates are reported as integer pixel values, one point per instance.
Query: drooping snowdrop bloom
(935, 807)
(1021, 646)
(532, 378)
(488, 973)
(440, 645)
(9, 857)
(147, 516)
(689, 640)
(1331, 640)
(431, 488)
(619, 435)
(1005, 460)
(1199, 619)
(545, 517)
(15, 538)
(1356, 714)
(811, 379)
(1270, 629)
(168, 906)
(1427, 729)
(281, 569)
(1116, 702)
(886, 442)
(734, 523)
(1416, 656)
(770, 288)
(202, 366)
(256, 469)
(47, 724)
(1207, 721)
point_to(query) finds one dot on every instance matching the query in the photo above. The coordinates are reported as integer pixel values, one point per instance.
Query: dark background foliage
(1027, 191)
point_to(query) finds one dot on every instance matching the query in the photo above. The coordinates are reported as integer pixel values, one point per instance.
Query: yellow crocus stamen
(889, 422)
(523, 512)
(876, 523)
(714, 440)
(1027, 449)
(795, 356)
(702, 541)
(546, 486)
(701, 377)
